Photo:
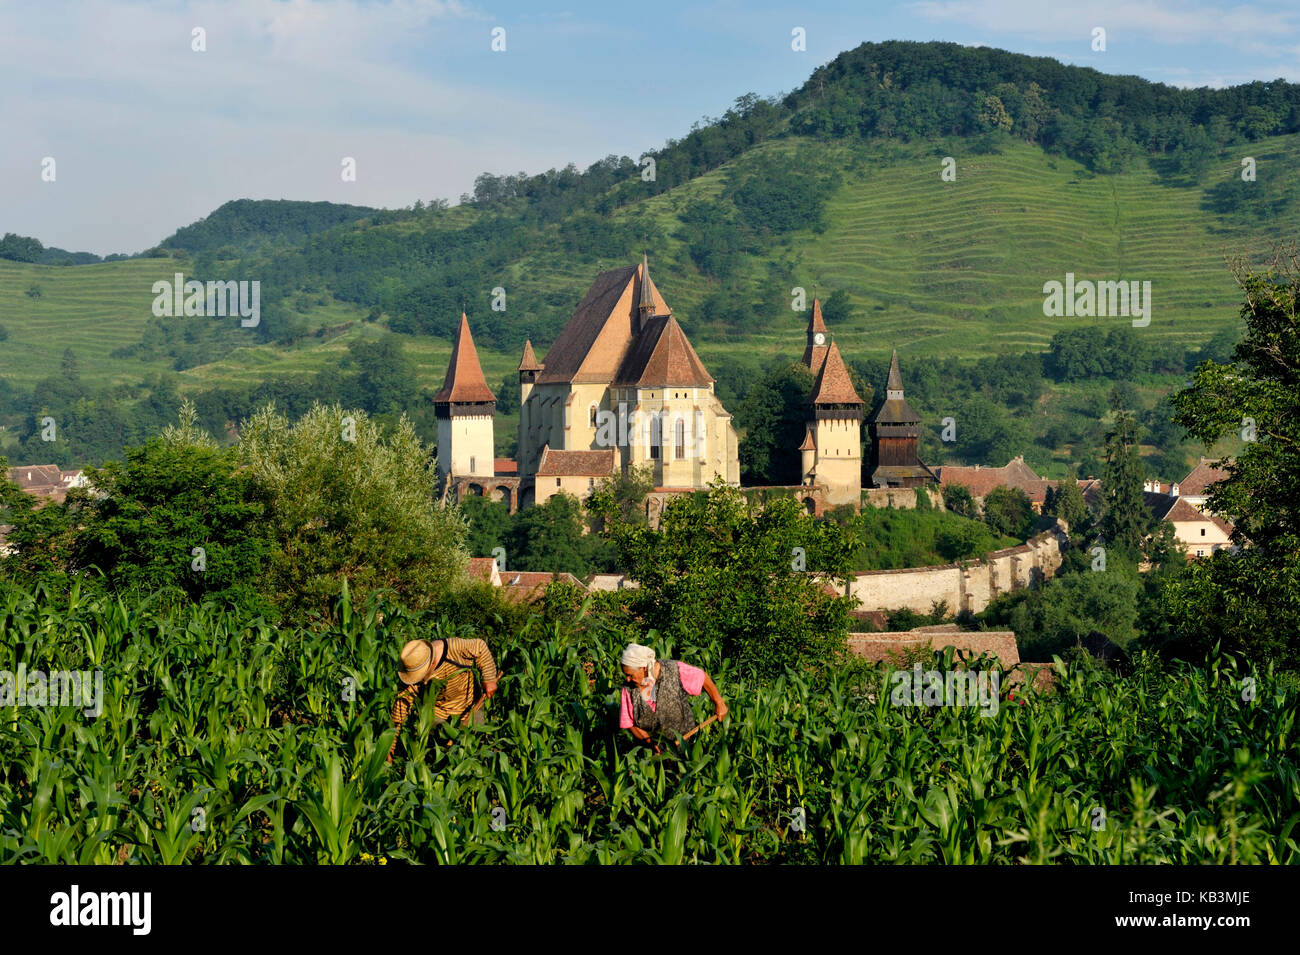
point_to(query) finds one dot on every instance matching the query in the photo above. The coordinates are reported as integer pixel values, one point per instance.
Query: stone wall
(903, 498)
(968, 588)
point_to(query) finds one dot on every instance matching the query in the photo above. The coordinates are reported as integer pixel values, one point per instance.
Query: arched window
(679, 438)
(656, 438)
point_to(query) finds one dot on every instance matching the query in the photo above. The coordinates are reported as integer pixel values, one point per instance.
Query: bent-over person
(450, 664)
(655, 700)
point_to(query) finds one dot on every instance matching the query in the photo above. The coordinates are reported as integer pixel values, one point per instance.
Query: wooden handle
(700, 727)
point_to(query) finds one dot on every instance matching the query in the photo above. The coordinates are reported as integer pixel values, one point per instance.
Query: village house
(1200, 533)
(981, 480)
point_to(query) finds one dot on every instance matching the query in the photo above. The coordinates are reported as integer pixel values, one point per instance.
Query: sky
(149, 134)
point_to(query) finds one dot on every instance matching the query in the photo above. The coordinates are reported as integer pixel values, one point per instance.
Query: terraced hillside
(932, 267)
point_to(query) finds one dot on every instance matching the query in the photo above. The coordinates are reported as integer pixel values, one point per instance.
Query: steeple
(895, 432)
(814, 352)
(647, 300)
(894, 385)
(464, 408)
(464, 382)
(529, 361)
(646, 306)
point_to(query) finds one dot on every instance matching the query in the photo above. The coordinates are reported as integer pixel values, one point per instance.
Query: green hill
(931, 267)
(835, 187)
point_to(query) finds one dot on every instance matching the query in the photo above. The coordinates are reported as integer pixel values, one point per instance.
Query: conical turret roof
(834, 386)
(529, 362)
(464, 381)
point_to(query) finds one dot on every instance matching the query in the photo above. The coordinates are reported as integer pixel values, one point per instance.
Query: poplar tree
(1125, 518)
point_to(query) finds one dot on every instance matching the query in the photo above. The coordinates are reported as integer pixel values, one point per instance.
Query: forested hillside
(835, 188)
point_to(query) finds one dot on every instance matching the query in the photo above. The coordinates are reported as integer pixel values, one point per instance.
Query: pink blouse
(692, 682)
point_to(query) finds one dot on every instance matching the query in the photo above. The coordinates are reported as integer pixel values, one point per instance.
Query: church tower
(464, 409)
(834, 427)
(814, 352)
(895, 431)
(529, 367)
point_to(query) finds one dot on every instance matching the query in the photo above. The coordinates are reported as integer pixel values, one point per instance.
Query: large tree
(1125, 518)
(178, 514)
(346, 502)
(1066, 502)
(1008, 510)
(728, 580)
(774, 417)
(1250, 600)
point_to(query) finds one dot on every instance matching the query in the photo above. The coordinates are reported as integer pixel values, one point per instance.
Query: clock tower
(814, 353)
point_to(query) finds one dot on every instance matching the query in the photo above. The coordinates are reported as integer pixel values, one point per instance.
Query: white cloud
(1247, 26)
(149, 134)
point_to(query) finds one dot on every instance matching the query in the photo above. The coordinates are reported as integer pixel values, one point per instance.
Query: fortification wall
(965, 589)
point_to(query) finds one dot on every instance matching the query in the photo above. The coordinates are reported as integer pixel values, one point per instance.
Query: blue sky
(149, 135)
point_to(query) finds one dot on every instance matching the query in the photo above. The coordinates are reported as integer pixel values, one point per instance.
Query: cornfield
(228, 741)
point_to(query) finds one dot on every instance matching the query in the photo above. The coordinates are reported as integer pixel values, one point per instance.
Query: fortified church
(622, 387)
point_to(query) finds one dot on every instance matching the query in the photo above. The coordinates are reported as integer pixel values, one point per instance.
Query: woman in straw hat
(654, 701)
(448, 663)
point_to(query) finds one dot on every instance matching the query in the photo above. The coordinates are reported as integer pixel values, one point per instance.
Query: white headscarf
(639, 656)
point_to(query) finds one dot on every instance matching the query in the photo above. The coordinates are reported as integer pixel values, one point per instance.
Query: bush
(957, 499)
(1008, 510)
(345, 502)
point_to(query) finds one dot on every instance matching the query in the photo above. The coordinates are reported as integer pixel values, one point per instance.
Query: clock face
(819, 339)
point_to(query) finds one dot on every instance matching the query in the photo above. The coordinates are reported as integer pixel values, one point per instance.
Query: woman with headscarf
(654, 701)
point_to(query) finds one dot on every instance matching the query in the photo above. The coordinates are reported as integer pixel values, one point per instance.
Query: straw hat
(417, 661)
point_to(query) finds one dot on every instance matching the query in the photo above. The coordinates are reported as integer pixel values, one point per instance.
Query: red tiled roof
(576, 463)
(662, 357)
(529, 362)
(520, 586)
(503, 466)
(979, 480)
(32, 476)
(611, 303)
(808, 444)
(1197, 482)
(40, 480)
(833, 383)
(1177, 510)
(481, 567)
(464, 381)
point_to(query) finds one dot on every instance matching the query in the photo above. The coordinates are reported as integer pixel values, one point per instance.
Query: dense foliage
(214, 716)
(721, 568)
(246, 223)
(910, 90)
(1250, 601)
(348, 502)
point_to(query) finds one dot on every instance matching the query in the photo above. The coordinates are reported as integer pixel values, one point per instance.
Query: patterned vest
(673, 706)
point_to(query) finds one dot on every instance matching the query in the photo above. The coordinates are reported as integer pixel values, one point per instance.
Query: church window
(680, 439)
(656, 438)
(472, 469)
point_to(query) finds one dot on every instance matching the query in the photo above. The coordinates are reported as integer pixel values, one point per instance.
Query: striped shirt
(453, 679)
